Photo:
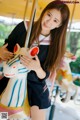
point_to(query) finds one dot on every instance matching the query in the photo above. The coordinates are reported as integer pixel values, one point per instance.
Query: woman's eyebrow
(50, 13)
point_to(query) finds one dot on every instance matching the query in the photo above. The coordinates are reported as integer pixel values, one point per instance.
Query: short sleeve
(47, 75)
(18, 35)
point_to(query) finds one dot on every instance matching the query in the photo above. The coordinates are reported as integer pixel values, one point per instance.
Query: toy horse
(14, 95)
(64, 77)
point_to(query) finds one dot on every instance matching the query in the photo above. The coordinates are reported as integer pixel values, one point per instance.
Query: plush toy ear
(34, 51)
(16, 49)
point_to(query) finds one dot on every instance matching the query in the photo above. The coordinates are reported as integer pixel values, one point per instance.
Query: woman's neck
(45, 33)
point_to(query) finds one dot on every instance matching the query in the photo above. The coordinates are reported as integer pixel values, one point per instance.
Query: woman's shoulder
(23, 25)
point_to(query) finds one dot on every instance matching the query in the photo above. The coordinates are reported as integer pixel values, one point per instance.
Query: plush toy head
(13, 67)
(26, 51)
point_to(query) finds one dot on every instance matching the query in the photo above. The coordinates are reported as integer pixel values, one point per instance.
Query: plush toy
(14, 97)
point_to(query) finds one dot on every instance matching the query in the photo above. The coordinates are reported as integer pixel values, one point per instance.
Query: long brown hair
(58, 35)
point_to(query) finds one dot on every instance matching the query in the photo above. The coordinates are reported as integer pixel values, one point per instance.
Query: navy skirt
(38, 95)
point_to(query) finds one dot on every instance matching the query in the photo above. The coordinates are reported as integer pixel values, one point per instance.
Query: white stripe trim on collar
(26, 25)
(44, 40)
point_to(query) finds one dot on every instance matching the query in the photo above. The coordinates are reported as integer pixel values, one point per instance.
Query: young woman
(49, 33)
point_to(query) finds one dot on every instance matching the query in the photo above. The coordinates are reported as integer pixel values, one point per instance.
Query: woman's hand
(33, 64)
(4, 53)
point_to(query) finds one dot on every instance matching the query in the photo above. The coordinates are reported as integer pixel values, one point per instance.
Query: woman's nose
(49, 22)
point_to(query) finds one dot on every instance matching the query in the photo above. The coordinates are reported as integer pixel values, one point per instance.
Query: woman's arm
(34, 64)
(40, 73)
(38, 69)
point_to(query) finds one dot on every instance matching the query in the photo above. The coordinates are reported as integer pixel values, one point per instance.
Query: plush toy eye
(14, 67)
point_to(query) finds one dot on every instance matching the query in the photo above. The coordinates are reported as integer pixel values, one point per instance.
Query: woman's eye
(48, 14)
(55, 21)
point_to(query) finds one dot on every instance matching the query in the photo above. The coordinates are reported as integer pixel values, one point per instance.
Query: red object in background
(34, 51)
(74, 57)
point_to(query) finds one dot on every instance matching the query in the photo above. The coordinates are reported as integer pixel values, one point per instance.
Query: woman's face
(50, 20)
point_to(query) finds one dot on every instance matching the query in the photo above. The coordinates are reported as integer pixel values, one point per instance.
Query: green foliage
(1, 42)
(4, 32)
(77, 82)
(73, 42)
(75, 66)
